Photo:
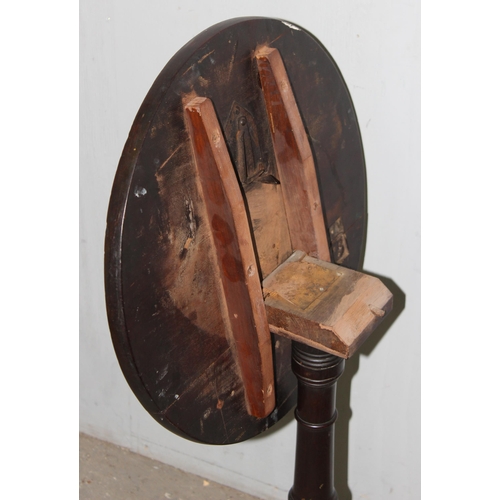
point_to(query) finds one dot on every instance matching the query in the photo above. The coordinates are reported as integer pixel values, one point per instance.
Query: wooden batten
(324, 305)
(297, 173)
(242, 294)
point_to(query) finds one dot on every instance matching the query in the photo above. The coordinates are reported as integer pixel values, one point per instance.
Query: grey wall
(124, 45)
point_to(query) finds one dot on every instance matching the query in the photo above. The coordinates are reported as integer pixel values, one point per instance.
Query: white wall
(124, 45)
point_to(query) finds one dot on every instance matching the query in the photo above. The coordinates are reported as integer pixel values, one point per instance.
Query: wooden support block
(294, 158)
(241, 288)
(324, 305)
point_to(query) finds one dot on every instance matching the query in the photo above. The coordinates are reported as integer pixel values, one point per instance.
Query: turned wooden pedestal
(317, 373)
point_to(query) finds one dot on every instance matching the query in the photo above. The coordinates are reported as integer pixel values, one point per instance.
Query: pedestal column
(317, 373)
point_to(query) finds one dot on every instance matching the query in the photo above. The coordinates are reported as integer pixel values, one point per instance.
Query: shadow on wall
(344, 389)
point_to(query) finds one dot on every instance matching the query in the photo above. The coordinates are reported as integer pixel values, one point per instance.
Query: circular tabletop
(165, 315)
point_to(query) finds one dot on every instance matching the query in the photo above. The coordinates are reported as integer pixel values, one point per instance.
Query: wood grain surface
(167, 317)
(240, 291)
(323, 305)
(293, 157)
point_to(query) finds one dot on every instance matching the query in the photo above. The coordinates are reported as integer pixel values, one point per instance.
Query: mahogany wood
(244, 157)
(294, 157)
(168, 320)
(241, 291)
(317, 373)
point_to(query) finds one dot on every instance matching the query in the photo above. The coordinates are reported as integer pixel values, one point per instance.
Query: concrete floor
(111, 472)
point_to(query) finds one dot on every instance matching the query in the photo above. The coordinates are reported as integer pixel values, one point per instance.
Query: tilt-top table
(235, 230)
